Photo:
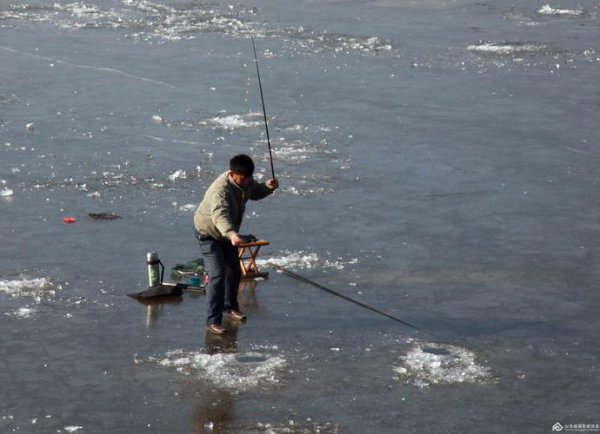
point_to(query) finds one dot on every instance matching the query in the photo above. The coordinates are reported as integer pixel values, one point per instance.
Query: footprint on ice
(425, 364)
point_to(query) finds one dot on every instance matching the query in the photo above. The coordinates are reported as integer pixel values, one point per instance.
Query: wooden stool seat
(247, 255)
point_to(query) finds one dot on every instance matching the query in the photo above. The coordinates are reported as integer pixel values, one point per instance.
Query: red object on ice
(69, 219)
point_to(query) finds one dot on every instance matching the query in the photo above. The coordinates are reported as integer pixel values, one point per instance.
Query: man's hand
(236, 240)
(273, 184)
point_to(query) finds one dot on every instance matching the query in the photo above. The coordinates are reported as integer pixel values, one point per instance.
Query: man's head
(241, 169)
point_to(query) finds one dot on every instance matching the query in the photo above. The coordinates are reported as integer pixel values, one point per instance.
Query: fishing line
(337, 294)
(262, 98)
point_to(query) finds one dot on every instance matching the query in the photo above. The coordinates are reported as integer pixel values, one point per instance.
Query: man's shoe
(236, 315)
(216, 329)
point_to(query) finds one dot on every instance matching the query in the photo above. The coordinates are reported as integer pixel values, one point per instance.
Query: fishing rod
(337, 294)
(262, 98)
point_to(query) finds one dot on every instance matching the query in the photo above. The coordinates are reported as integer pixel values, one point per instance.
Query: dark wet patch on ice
(103, 216)
(436, 350)
(251, 358)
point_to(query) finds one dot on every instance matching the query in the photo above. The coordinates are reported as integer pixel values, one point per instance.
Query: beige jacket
(220, 213)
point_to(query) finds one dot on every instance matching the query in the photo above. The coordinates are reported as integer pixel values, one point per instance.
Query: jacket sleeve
(220, 213)
(259, 190)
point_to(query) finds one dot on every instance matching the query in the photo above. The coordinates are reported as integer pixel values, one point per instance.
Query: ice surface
(299, 150)
(188, 207)
(376, 160)
(231, 371)
(178, 174)
(158, 119)
(303, 260)
(25, 286)
(307, 191)
(294, 426)
(506, 48)
(232, 122)
(427, 364)
(145, 20)
(22, 312)
(548, 10)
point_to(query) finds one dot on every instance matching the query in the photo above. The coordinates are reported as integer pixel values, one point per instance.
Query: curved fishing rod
(337, 294)
(262, 98)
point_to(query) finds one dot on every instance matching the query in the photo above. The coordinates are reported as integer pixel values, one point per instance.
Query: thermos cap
(152, 256)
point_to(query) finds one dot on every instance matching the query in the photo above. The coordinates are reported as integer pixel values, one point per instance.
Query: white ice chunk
(232, 122)
(178, 174)
(548, 10)
(428, 364)
(188, 207)
(238, 372)
(27, 286)
(301, 260)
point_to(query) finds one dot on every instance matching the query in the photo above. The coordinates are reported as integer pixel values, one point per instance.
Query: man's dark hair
(242, 164)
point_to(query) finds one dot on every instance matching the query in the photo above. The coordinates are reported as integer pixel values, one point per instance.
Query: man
(217, 221)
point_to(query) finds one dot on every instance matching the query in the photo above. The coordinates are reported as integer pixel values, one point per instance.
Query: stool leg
(242, 250)
(252, 264)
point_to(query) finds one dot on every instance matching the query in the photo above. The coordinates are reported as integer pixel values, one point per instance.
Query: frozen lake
(438, 161)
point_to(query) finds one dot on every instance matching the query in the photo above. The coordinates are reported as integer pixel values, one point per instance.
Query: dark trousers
(222, 263)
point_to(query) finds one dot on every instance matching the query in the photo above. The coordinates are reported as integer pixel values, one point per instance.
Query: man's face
(240, 179)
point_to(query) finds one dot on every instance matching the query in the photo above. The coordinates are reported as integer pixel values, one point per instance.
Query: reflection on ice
(232, 371)
(428, 363)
